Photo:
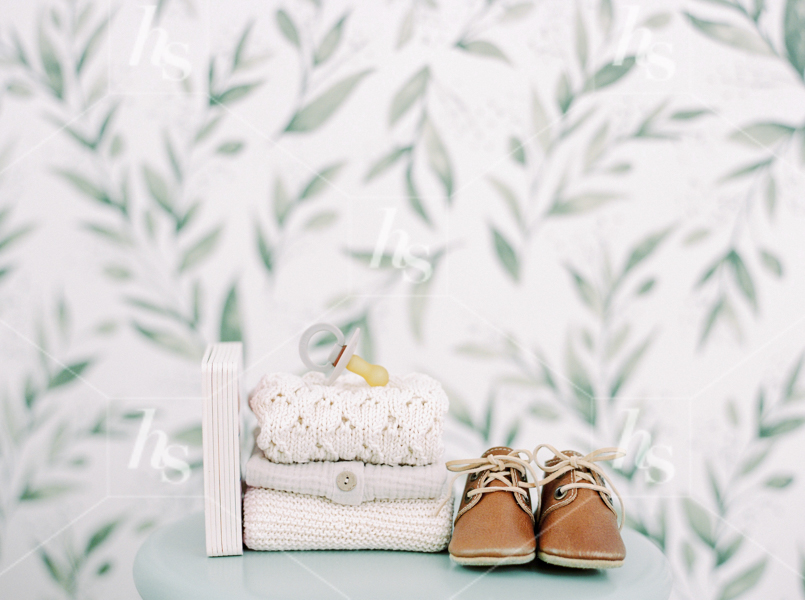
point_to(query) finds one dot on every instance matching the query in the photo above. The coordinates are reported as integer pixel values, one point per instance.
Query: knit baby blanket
(347, 482)
(274, 520)
(302, 419)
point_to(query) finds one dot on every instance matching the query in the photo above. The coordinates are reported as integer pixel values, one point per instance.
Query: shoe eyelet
(473, 476)
(467, 498)
(559, 493)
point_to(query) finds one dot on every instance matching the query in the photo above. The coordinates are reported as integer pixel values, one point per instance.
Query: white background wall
(75, 295)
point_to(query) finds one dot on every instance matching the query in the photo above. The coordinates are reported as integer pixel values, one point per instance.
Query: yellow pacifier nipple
(374, 375)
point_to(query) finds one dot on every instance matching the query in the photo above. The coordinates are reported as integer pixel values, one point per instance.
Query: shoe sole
(492, 561)
(578, 563)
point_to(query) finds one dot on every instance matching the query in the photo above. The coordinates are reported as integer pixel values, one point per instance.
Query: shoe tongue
(556, 459)
(496, 451)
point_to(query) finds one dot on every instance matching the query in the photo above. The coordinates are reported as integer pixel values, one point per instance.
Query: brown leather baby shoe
(494, 525)
(578, 526)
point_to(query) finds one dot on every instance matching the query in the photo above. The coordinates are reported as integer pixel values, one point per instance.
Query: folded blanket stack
(347, 466)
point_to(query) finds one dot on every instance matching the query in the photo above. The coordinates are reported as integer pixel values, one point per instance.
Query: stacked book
(347, 466)
(220, 429)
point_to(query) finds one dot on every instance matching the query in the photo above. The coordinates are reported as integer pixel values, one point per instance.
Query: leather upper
(493, 524)
(579, 525)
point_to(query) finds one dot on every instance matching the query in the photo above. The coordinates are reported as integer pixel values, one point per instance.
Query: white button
(346, 480)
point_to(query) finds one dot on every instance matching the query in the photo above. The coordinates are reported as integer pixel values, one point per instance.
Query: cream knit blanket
(275, 520)
(367, 482)
(303, 420)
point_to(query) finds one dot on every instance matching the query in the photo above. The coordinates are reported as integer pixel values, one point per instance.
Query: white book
(218, 450)
(236, 489)
(228, 400)
(206, 390)
(221, 367)
(213, 502)
(222, 429)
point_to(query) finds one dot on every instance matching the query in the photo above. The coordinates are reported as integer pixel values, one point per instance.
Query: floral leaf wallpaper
(584, 218)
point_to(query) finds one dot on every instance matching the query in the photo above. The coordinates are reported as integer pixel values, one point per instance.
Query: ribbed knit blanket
(275, 520)
(303, 420)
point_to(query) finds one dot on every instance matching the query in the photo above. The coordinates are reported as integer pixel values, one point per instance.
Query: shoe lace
(596, 479)
(494, 467)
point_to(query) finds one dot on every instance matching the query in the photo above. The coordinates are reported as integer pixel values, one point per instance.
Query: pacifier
(341, 357)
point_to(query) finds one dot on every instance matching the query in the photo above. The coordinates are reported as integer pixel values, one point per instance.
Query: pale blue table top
(172, 565)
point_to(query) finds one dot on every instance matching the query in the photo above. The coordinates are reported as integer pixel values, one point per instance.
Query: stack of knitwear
(347, 466)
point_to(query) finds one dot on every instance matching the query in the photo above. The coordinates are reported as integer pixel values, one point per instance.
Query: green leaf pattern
(577, 239)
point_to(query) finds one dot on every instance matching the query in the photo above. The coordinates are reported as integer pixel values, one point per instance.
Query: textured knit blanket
(275, 520)
(347, 482)
(303, 420)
